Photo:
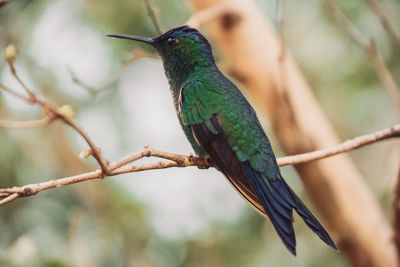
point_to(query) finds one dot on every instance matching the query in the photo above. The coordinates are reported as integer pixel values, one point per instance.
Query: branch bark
(115, 168)
(176, 160)
(251, 49)
(346, 146)
(254, 53)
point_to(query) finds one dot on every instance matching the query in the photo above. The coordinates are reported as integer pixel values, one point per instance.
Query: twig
(395, 209)
(176, 160)
(396, 191)
(386, 79)
(5, 88)
(57, 113)
(136, 55)
(369, 46)
(95, 151)
(347, 25)
(31, 95)
(346, 146)
(9, 198)
(385, 21)
(153, 16)
(27, 124)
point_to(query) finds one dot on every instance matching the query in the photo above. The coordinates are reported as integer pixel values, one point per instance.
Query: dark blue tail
(270, 196)
(278, 201)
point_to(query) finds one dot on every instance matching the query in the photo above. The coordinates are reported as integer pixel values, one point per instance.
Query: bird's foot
(203, 167)
(202, 163)
(207, 162)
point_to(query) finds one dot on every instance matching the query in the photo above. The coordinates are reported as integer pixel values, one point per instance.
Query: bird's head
(181, 48)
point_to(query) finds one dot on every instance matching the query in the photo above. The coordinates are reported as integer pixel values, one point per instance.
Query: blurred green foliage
(100, 223)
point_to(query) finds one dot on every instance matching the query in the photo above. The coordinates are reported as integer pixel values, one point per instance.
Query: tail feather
(305, 213)
(270, 196)
(278, 201)
(311, 221)
(282, 224)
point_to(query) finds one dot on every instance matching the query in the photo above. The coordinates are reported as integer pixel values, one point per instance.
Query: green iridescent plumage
(222, 127)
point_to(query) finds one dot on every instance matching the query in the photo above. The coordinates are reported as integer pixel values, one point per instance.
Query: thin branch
(346, 146)
(136, 55)
(384, 73)
(369, 46)
(176, 160)
(351, 30)
(58, 113)
(179, 161)
(395, 209)
(95, 151)
(26, 124)
(153, 16)
(12, 92)
(386, 78)
(396, 191)
(385, 21)
(31, 95)
(10, 198)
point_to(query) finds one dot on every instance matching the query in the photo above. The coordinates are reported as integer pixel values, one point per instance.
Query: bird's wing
(254, 173)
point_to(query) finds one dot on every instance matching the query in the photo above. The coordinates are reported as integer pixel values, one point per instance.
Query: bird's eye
(172, 41)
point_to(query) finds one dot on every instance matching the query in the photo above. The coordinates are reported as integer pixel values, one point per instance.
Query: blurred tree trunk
(252, 53)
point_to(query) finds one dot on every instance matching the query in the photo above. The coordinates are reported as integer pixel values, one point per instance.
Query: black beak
(133, 37)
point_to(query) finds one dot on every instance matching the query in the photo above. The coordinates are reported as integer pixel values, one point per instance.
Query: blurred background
(172, 217)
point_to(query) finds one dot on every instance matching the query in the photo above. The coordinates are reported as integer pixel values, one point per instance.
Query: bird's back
(221, 126)
(226, 126)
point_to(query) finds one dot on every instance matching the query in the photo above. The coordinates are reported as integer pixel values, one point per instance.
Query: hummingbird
(223, 129)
